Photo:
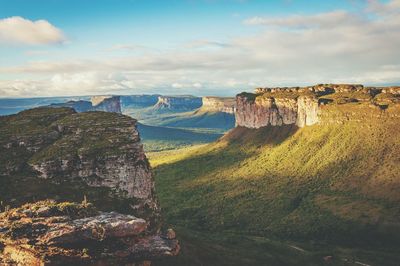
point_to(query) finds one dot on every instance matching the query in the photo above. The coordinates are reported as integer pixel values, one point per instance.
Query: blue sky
(201, 47)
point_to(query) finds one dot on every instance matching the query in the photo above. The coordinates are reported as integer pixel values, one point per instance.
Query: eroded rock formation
(305, 106)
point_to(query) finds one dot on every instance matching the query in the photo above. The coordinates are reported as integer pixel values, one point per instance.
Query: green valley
(323, 185)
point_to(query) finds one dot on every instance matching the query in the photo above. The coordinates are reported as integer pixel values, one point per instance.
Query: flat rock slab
(47, 233)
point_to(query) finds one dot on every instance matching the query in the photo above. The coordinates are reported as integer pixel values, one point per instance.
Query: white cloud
(23, 31)
(335, 18)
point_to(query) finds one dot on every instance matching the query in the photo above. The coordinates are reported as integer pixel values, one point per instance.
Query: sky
(198, 47)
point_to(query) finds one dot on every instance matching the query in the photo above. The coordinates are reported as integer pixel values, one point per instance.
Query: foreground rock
(47, 233)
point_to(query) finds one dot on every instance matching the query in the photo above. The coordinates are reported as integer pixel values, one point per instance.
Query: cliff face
(264, 111)
(101, 148)
(317, 104)
(177, 103)
(219, 104)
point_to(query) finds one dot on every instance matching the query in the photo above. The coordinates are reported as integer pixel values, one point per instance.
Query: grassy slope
(333, 184)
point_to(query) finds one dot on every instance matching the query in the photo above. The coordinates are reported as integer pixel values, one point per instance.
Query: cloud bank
(338, 46)
(17, 30)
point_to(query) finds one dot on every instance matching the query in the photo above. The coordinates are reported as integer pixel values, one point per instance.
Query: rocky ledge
(50, 233)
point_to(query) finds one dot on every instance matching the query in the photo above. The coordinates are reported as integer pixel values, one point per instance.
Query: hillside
(332, 188)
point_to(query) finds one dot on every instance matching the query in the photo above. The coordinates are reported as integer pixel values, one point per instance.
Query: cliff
(316, 104)
(177, 103)
(219, 104)
(60, 154)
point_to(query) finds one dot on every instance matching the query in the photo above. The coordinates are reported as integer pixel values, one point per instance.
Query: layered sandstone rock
(305, 106)
(219, 104)
(265, 111)
(50, 233)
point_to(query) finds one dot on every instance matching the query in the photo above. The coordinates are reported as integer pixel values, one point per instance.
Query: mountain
(310, 176)
(57, 153)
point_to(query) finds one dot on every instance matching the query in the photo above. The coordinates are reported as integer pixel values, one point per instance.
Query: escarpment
(219, 104)
(56, 153)
(324, 103)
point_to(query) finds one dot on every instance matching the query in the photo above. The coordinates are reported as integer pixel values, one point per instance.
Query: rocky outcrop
(219, 104)
(177, 103)
(60, 154)
(50, 233)
(305, 106)
(99, 152)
